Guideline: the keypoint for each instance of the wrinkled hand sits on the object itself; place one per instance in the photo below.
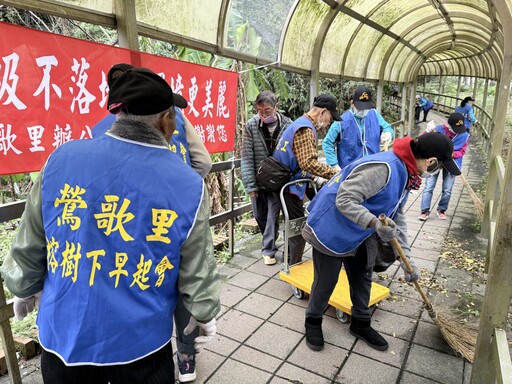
(337, 168)
(319, 181)
(386, 137)
(206, 331)
(23, 306)
(385, 232)
(411, 277)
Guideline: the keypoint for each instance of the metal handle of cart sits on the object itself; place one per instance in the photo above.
(294, 226)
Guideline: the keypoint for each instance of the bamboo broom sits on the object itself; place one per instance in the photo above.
(479, 206)
(460, 337)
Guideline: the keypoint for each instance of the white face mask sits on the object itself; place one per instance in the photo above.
(360, 113)
(319, 124)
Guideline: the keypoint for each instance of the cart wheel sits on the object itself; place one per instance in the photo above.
(298, 293)
(341, 316)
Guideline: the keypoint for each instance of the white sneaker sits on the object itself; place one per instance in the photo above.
(269, 260)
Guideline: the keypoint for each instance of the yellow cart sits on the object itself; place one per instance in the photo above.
(300, 276)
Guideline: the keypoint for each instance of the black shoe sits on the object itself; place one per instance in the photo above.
(362, 330)
(423, 121)
(314, 335)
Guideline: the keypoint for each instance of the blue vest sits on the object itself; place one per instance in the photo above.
(352, 145)
(458, 141)
(464, 111)
(334, 230)
(179, 143)
(115, 216)
(429, 104)
(284, 154)
(103, 125)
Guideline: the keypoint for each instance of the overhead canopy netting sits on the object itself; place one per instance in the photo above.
(393, 40)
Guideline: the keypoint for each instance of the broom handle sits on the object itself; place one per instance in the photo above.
(396, 245)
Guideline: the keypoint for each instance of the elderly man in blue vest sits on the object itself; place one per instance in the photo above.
(109, 240)
(187, 144)
(344, 230)
(466, 109)
(359, 133)
(297, 150)
(185, 141)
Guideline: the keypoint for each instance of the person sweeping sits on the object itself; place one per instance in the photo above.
(343, 227)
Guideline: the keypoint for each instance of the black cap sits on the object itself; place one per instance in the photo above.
(440, 146)
(363, 98)
(116, 71)
(140, 91)
(329, 102)
(456, 121)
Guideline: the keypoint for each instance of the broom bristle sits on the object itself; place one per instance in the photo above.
(479, 206)
(461, 337)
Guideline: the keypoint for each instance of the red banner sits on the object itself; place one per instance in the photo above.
(53, 89)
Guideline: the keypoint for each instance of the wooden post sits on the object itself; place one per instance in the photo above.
(403, 94)
(6, 312)
(498, 291)
(380, 92)
(412, 101)
(127, 24)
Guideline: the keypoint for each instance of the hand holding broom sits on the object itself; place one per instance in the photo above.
(459, 337)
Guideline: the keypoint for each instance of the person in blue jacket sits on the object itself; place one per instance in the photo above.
(359, 133)
(343, 226)
(422, 104)
(109, 242)
(466, 109)
(187, 144)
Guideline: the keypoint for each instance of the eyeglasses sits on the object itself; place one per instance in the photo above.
(266, 111)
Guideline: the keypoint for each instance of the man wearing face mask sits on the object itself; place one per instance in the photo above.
(456, 131)
(297, 150)
(466, 109)
(359, 134)
(259, 140)
(343, 227)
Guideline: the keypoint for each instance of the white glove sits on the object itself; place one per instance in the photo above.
(206, 332)
(431, 126)
(319, 181)
(337, 168)
(411, 277)
(23, 306)
(386, 137)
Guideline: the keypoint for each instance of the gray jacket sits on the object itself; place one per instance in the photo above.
(254, 149)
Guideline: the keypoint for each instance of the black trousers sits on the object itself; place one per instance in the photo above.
(359, 275)
(157, 368)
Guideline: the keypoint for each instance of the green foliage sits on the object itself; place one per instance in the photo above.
(7, 233)
(222, 256)
(26, 327)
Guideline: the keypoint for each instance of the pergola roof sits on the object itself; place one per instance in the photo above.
(390, 40)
